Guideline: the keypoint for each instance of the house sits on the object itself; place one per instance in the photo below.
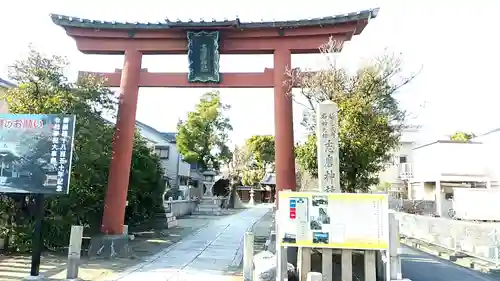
(442, 165)
(433, 170)
(177, 171)
(4, 86)
(399, 169)
(491, 150)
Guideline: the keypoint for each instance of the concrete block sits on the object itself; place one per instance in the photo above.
(33, 278)
(173, 224)
(265, 267)
(314, 276)
(109, 246)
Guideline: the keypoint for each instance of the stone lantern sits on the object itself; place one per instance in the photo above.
(208, 179)
(252, 194)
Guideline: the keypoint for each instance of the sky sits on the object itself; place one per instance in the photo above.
(454, 45)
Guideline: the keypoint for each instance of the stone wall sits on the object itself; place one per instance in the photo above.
(475, 239)
(420, 206)
(179, 208)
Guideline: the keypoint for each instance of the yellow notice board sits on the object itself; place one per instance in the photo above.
(333, 220)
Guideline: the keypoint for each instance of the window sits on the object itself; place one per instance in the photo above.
(183, 180)
(163, 151)
(402, 159)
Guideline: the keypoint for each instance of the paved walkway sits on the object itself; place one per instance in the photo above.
(208, 253)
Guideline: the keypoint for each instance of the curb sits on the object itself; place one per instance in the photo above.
(238, 259)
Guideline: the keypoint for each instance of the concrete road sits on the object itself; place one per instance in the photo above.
(419, 266)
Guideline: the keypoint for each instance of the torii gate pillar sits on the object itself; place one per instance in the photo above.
(283, 122)
(123, 141)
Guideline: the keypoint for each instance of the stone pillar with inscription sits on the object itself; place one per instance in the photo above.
(327, 138)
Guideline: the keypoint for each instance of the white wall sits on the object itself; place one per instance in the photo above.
(170, 165)
(154, 139)
(431, 161)
(391, 173)
(4, 107)
(491, 150)
(183, 166)
(411, 134)
(408, 138)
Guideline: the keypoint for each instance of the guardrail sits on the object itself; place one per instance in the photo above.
(480, 240)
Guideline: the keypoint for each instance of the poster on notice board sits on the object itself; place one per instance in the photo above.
(35, 153)
(334, 220)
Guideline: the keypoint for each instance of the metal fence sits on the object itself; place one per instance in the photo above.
(480, 240)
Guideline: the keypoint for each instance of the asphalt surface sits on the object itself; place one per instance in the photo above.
(420, 266)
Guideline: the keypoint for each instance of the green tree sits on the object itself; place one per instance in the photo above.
(204, 135)
(43, 89)
(252, 176)
(462, 136)
(262, 149)
(236, 167)
(260, 153)
(370, 119)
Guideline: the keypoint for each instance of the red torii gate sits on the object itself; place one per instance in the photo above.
(203, 42)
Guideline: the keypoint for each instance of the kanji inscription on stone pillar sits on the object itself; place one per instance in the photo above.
(327, 138)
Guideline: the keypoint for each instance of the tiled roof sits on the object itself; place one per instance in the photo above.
(269, 179)
(6, 84)
(255, 188)
(170, 136)
(67, 21)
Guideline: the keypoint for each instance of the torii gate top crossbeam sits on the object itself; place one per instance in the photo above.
(168, 37)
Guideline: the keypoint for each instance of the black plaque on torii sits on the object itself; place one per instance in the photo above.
(203, 56)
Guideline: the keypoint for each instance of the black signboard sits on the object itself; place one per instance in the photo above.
(35, 153)
(203, 55)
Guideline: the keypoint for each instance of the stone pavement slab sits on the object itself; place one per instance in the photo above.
(147, 244)
(207, 254)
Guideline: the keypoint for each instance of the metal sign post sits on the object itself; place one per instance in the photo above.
(36, 255)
